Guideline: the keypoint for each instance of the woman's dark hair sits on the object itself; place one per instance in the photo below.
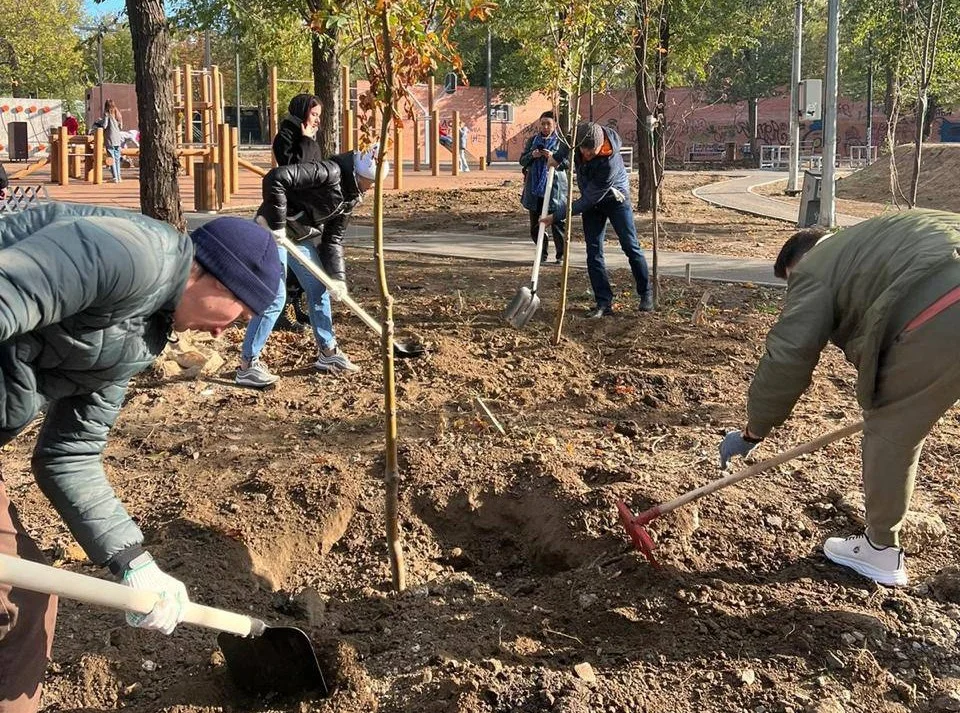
(798, 245)
(548, 115)
(301, 105)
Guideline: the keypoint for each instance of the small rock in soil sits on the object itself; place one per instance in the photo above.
(587, 600)
(585, 672)
(775, 521)
(148, 665)
(748, 676)
(828, 705)
(949, 701)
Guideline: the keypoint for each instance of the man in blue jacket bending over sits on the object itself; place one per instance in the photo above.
(605, 195)
(88, 298)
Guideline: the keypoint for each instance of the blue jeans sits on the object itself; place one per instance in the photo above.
(620, 216)
(114, 152)
(321, 318)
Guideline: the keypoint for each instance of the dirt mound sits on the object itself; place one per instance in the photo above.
(939, 168)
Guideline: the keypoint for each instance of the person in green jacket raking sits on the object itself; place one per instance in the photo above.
(89, 297)
(886, 292)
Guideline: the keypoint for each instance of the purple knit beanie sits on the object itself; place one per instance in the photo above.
(241, 255)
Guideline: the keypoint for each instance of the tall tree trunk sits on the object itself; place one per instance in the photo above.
(326, 85)
(889, 91)
(160, 195)
(646, 177)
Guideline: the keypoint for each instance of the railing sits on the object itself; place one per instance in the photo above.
(19, 198)
(862, 156)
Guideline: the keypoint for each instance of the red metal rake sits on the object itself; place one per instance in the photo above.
(635, 525)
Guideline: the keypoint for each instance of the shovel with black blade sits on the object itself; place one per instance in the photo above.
(261, 659)
(526, 302)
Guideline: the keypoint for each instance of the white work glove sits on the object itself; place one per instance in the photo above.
(337, 290)
(143, 573)
(278, 233)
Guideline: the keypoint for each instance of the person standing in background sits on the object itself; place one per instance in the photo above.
(73, 126)
(539, 150)
(112, 138)
(464, 138)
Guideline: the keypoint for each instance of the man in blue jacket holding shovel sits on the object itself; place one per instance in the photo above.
(88, 298)
(605, 196)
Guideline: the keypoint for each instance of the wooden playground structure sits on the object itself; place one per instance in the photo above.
(208, 148)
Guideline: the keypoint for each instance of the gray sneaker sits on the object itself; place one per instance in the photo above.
(255, 373)
(334, 361)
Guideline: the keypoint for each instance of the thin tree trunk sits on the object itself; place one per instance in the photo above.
(391, 467)
(160, 195)
(921, 112)
(645, 159)
(753, 121)
(326, 85)
(573, 116)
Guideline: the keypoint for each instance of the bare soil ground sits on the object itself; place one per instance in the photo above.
(271, 503)
(687, 223)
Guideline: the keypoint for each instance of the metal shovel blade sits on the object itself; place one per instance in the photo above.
(281, 660)
(522, 308)
(408, 350)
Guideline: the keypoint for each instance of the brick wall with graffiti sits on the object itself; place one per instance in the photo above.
(692, 122)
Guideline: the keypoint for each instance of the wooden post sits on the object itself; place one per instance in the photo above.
(178, 110)
(188, 113)
(205, 107)
(216, 80)
(235, 159)
(416, 143)
(210, 185)
(61, 166)
(98, 157)
(433, 130)
(397, 156)
(455, 134)
(55, 149)
(224, 173)
(435, 143)
(76, 162)
(483, 163)
(355, 131)
(274, 119)
(346, 117)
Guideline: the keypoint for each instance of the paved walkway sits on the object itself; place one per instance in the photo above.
(506, 249)
(737, 194)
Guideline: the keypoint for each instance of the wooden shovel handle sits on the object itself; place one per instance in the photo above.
(37, 577)
(756, 468)
(318, 273)
(542, 230)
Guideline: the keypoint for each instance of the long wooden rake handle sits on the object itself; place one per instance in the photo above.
(756, 468)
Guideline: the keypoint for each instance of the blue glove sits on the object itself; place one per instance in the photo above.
(734, 444)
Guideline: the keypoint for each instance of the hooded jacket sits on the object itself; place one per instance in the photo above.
(857, 289)
(291, 146)
(319, 195)
(87, 297)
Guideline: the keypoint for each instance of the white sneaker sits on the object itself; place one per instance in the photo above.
(884, 565)
(334, 361)
(255, 373)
